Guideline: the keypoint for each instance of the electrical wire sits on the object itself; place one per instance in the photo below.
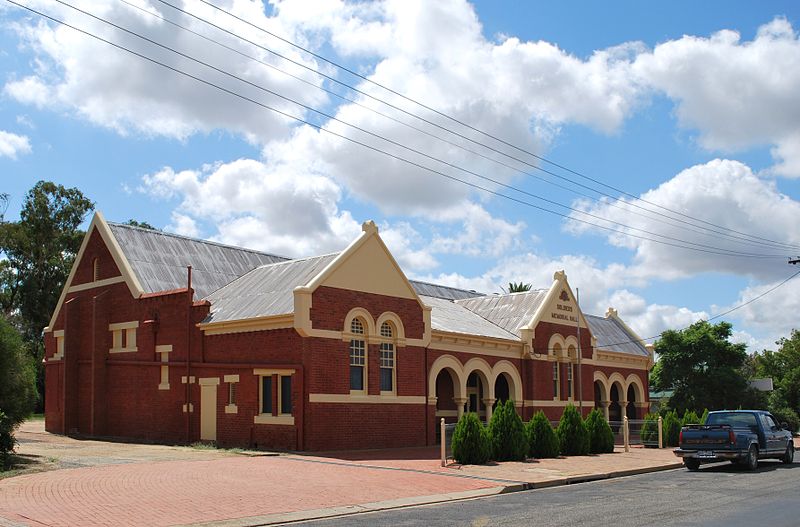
(452, 119)
(717, 250)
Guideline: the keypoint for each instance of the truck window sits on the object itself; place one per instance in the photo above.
(769, 423)
(734, 419)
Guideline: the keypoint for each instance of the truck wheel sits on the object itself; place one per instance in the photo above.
(788, 457)
(752, 458)
(691, 463)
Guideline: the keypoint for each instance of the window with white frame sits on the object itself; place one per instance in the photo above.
(387, 358)
(59, 336)
(232, 381)
(123, 337)
(569, 380)
(555, 381)
(358, 357)
(275, 396)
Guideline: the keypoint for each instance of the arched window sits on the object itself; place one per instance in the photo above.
(358, 356)
(387, 358)
(96, 269)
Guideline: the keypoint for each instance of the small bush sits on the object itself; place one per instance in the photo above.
(672, 428)
(650, 430)
(507, 434)
(7, 440)
(601, 438)
(542, 439)
(573, 438)
(690, 418)
(704, 417)
(470, 443)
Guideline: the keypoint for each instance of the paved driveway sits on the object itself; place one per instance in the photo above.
(130, 484)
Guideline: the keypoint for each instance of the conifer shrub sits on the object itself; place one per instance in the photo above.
(672, 428)
(601, 438)
(690, 418)
(542, 439)
(507, 434)
(7, 440)
(650, 431)
(704, 417)
(573, 438)
(471, 445)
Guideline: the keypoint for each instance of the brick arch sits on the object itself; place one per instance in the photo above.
(556, 338)
(504, 367)
(479, 365)
(394, 319)
(448, 362)
(366, 316)
(636, 382)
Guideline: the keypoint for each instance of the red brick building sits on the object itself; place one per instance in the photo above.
(338, 351)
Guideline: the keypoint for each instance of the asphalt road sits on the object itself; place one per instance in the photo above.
(718, 494)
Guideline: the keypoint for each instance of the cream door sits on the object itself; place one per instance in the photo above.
(208, 408)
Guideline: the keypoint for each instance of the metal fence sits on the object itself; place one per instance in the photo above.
(446, 431)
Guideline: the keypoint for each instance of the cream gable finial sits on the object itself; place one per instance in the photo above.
(611, 312)
(369, 227)
(560, 275)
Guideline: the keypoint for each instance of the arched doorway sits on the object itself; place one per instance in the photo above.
(445, 395)
(502, 391)
(599, 394)
(630, 411)
(614, 408)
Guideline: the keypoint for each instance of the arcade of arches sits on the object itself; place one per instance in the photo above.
(619, 396)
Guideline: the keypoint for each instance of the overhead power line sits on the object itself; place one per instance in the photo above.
(451, 118)
(703, 247)
(615, 203)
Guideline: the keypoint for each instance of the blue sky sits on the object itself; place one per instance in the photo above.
(692, 104)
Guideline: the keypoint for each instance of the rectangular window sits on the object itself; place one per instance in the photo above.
(266, 394)
(286, 395)
(387, 367)
(231, 393)
(569, 380)
(59, 335)
(357, 361)
(555, 381)
(123, 337)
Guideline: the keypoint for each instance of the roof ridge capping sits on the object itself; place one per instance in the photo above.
(198, 240)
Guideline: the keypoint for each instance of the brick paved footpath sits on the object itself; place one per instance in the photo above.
(181, 492)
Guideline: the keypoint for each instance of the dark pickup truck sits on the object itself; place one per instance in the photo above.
(741, 436)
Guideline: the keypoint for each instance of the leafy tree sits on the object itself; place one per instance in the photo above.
(542, 439)
(601, 438)
(39, 251)
(141, 224)
(17, 386)
(507, 434)
(518, 287)
(783, 366)
(471, 444)
(702, 367)
(573, 438)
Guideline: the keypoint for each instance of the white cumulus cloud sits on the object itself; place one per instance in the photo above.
(13, 145)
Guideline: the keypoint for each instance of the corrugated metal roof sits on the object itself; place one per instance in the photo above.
(612, 336)
(159, 260)
(454, 318)
(265, 291)
(442, 291)
(509, 311)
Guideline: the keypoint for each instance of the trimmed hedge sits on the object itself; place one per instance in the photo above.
(601, 438)
(672, 428)
(650, 431)
(542, 439)
(573, 438)
(471, 445)
(507, 434)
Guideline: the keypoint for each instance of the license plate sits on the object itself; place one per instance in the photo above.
(705, 453)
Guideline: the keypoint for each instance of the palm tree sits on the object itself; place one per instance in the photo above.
(518, 288)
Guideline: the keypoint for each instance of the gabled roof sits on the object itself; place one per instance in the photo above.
(510, 311)
(265, 291)
(159, 260)
(454, 318)
(442, 291)
(612, 335)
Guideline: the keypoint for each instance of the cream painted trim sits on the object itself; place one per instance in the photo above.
(231, 378)
(264, 372)
(269, 419)
(164, 348)
(365, 399)
(191, 379)
(399, 338)
(231, 409)
(99, 223)
(58, 333)
(123, 350)
(191, 408)
(123, 325)
(249, 324)
(446, 413)
(59, 336)
(208, 381)
(559, 280)
(97, 283)
(163, 386)
(458, 342)
(550, 404)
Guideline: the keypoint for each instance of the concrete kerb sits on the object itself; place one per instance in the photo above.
(415, 501)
